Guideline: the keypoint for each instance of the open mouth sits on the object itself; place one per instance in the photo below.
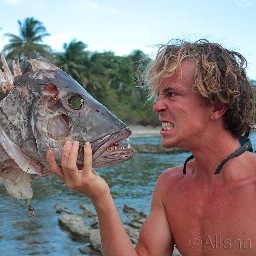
(167, 126)
(111, 149)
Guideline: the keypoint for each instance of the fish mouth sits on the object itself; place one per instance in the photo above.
(111, 149)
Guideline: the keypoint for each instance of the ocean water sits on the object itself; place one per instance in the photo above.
(131, 183)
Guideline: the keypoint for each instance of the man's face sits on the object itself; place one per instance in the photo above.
(183, 113)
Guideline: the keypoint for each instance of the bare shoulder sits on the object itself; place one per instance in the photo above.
(249, 163)
(248, 168)
(252, 157)
(169, 179)
(172, 174)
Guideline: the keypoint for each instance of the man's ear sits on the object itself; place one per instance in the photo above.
(218, 111)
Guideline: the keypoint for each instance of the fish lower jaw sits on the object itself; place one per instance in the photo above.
(113, 154)
(167, 126)
(112, 157)
(112, 149)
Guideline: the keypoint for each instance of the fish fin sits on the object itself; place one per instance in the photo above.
(16, 68)
(17, 183)
(39, 64)
(25, 163)
(6, 77)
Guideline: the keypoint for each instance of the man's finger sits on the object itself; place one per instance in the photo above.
(65, 159)
(72, 160)
(65, 153)
(87, 157)
(54, 167)
(72, 163)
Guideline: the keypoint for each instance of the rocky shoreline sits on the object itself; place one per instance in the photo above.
(84, 227)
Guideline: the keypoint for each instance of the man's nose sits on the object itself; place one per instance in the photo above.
(159, 106)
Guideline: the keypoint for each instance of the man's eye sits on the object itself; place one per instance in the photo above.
(167, 95)
(171, 94)
(76, 102)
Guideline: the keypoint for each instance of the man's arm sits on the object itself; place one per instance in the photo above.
(155, 237)
(114, 238)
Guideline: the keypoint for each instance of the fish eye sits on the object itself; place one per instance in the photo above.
(76, 102)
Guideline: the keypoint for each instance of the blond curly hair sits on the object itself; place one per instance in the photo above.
(219, 78)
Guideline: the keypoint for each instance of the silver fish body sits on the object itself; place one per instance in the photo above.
(45, 108)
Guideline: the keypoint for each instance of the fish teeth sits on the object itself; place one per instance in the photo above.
(116, 148)
(120, 147)
(128, 144)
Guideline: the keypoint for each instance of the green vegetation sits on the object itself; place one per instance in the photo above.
(27, 44)
(115, 81)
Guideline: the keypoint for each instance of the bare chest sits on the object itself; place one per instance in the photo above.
(217, 222)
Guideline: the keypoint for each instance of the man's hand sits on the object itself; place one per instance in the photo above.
(86, 181)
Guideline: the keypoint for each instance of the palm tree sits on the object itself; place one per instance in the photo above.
(71, 60)
(27, 45)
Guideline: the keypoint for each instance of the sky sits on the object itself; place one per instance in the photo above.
(122, 26)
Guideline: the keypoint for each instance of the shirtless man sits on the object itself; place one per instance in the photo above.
(205, 104)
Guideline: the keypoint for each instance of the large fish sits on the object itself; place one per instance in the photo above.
(44, 108)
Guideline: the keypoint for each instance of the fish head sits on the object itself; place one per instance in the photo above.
(61, 109)
(44, 108)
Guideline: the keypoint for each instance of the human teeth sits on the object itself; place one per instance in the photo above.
(167, 126)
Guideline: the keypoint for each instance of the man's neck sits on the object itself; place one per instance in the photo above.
(209, 156)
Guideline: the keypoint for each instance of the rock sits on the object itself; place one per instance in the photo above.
(75, 224)
(87, 212)
(128, 209)
(132, 213)
(88, 250)
(85, 227)
(132, 233)
(95, 223)
(95, 239)
(61, 209)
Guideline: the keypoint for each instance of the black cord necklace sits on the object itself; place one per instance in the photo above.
(237, 153)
